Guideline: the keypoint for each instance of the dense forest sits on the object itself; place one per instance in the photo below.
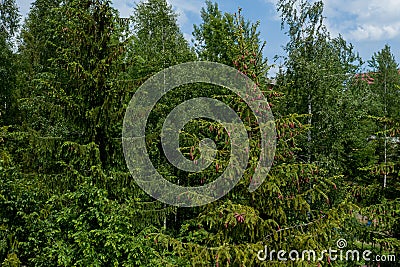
(67, 198)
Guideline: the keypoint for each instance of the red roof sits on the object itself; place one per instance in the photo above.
(367, 77)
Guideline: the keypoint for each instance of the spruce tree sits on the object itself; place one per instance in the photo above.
(317, 70)
(377, 190)
(66, 195)
(284, 213)
(158, 43)
(9, 24)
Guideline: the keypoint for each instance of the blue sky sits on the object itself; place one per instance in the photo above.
(367, 24)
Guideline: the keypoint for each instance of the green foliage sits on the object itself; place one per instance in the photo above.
(157, 41)
(214, 38)
(318, 69)
(67, 198)
(9, 22)
(9, 18)
(378, 191)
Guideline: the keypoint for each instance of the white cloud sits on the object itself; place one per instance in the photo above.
(188, 37)
(24, 6)
(361, 20)
(193, 6)
(125, 7)
(375, 32)
(274, 2)
(184, 7)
